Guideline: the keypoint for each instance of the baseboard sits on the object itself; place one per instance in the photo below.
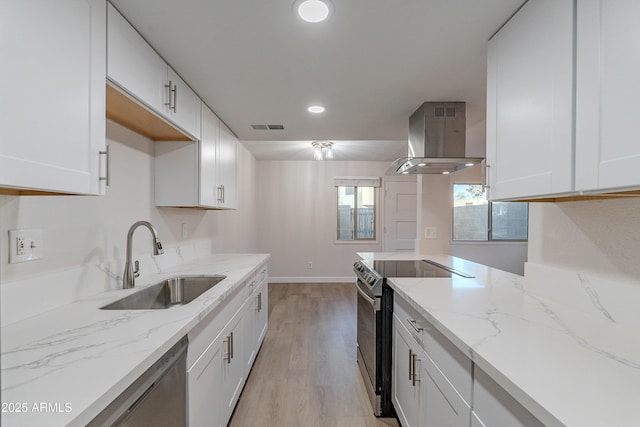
(349, 279)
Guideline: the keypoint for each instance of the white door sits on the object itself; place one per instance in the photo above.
(400, 215)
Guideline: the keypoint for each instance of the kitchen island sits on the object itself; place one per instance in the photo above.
(562, 344)
(65, 365)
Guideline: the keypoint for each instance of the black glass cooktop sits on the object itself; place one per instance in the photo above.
(419, 268)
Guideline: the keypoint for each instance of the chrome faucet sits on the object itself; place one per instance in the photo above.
(130, 274)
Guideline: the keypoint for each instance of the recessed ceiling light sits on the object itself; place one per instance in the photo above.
(313, 10)
(469, 164)
(422, 164)
(316, 109)
(445, 173)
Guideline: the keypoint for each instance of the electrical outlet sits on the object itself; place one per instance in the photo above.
(309, 264)
(184, 230)
(25, 245)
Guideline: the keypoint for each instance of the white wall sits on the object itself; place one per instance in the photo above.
(297, 218)
(89, 229)
(434, 201)
(599, 237)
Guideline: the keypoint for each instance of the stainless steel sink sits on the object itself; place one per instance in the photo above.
(174, 291)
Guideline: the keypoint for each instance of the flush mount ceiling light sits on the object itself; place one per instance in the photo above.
(313, 11)
(322, 150)
(316, 109)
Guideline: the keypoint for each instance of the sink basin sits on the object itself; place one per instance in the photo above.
(174, 291)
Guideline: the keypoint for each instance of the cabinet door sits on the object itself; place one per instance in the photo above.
(405, 389)
(530, 102)
(204, 385)
(185, 105)
(52, 106)
(262, 308)
(133, 65)
(249, 336)
(493, 406)
(233, 366)
(227, 168)
(208, 155)
(442, 406)
(607, 90)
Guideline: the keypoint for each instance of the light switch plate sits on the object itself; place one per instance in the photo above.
(25, 245)
(430, 233)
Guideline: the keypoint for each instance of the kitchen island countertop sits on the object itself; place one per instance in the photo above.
(562, 346)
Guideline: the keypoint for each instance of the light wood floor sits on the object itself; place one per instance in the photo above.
(306, 373)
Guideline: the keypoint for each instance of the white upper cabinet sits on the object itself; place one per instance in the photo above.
(608, 89)
(136, 69)
(52, 106)
(198, 174)
(183, 105)
(562, 85)
(530, 102)
(227, 169)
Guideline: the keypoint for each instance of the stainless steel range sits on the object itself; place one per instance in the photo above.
(375, 317)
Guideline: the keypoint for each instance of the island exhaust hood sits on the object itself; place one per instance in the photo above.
(436, 141)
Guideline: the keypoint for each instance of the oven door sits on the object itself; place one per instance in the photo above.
(368, 335)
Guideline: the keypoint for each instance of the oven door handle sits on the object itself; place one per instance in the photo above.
(375, 302)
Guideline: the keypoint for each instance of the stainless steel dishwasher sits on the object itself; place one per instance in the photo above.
(156, 398)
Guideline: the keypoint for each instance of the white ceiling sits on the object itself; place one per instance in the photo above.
(371, 65)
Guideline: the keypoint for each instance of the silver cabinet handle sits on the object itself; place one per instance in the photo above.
(169, 93)
(175, 98)
(220, 196)
(415, 326)
(107, 177)
(259, 302)
(485, 175)
(410, 365)
(415, 375)
(222, 192)
(229, 342)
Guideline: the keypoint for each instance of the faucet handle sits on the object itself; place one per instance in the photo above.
(136, 269)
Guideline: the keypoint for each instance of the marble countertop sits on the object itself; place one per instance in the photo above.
(65, 365)
(565, 347)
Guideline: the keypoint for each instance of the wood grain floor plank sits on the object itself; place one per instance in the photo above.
(306, 373)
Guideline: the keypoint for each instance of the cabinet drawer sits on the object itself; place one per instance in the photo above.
(205, 332)
(257, 279)
(453, 363)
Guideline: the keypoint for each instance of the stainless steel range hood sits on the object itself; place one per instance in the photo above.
(436, 141)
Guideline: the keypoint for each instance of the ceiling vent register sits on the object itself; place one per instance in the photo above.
(267, 127)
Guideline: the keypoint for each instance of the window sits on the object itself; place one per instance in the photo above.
(356, 213)
(474, 218)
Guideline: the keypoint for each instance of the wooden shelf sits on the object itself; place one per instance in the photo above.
(130, 114)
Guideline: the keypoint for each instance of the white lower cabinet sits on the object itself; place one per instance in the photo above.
(261, 309)
(232, 363)
(222, 349)
(204, 387)
(434, 384)
(422, 393)
(406, 391)
(493, 406)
